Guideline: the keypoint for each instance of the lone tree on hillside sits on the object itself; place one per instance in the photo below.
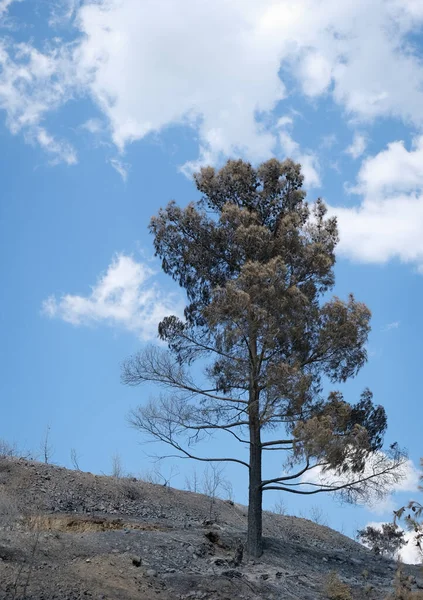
(255, 261)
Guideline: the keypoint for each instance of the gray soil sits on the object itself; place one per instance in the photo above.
(69, 535)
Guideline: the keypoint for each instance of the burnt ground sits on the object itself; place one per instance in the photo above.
(69, 535)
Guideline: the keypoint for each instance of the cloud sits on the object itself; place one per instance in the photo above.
(410, 554)
(328, 141)
(358, 146)
(93, 126)
(120, 167)
(4, 5)
(309, 162)
(388, 222)
(220, 68)
(126, 297)
(32, 84)
(60, 150)
(391, 326)
(353, 52)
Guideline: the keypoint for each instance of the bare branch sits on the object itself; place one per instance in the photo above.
(154, 365)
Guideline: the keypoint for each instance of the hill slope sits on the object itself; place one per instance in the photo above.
(70, 535)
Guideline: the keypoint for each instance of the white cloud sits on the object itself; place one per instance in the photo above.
(62, 11)
(33, 83)
(358, 146)
(126, 296)
(351, 50)
(154, 65)
(284, 121)
(328, 141)
(93, 126)
(217, 67)
(391, 326)
(410, 554)
(308, 159)
(4, 5)
(60, 150)
(388, 222)
(120, 167)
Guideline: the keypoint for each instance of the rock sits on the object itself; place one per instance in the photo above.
(218, 562)
(136, 561)
(151, 573)
(232, 574)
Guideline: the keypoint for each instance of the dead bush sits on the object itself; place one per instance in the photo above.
(335, 589)
(403, 587)
(130, 488)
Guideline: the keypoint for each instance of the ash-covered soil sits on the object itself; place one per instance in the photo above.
(68, 535)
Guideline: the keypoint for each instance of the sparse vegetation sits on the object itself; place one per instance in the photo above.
(336, 589)
(117, 468)
(318, 516)
(46, 448)
(74, 459)
(8, 510)
(279, 507)
(117, 529)
(403, 587)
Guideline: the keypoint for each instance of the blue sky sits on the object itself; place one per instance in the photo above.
(107, 107)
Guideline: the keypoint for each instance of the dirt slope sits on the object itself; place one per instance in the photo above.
(71, 535)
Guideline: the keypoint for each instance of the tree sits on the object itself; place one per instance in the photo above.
(387, 540)
(256, 262)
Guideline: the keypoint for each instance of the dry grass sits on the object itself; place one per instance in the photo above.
(8, 510)
(335, 589)
(82, 524)
(403, 588)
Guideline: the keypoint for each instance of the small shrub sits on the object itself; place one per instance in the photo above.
(8, 450)
(335, 589)
(279, 507)
(130, 488)
(403, 588)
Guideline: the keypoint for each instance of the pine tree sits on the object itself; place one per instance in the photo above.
(256, 262)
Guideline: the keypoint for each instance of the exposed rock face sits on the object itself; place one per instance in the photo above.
(69, 535)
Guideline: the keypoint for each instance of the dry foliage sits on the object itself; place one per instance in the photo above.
(403, 588)
(335, 589)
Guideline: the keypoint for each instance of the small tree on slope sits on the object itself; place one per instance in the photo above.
(386, 540)
(255, 261)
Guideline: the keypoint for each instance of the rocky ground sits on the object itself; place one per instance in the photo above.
(69, 535)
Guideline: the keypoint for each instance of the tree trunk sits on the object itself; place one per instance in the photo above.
(254, 534)
(255, 493)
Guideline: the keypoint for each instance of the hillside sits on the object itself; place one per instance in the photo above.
(69, 535)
